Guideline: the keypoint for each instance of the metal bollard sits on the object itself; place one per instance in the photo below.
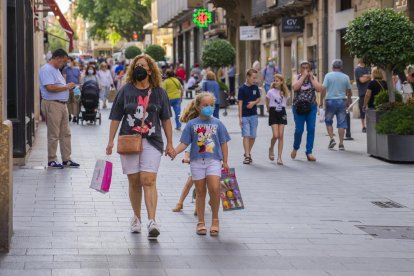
(348, 119)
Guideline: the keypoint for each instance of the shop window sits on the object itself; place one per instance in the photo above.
(342, 5)
(309, 30)
(268, 34)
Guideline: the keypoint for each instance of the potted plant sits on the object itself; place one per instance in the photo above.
(132, 51)
(382, 37)
(396, 133)
(156, 52)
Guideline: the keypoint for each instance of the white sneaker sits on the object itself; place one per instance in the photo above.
(135, 225)
(153, 230)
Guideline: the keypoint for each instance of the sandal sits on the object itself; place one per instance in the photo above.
(178, 207)
(279, 162)
(214, 230)
(271, 154)
(247, 160)
(201, 228)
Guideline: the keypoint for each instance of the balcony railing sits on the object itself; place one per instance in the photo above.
(169, 10)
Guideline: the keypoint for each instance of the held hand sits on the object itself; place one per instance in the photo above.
(250, 105)
(169, 150)
(226, 168)
(109, 148)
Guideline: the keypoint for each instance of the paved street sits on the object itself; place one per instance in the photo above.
(300, 219)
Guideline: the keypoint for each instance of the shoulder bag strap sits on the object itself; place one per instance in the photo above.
(145, 109)
(176, 85)
(380, 84)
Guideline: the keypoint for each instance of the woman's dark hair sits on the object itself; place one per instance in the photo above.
(170, 73)
(87, 69)
(59, 53)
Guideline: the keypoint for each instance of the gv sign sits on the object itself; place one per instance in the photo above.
(292, 24)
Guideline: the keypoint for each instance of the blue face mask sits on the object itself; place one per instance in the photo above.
(207, 111)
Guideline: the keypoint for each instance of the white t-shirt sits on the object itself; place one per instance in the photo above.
(105, 78)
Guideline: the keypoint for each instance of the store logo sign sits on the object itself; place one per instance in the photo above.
(292, 24)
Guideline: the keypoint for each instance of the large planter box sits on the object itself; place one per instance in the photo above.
(396, 148)
(372, 118)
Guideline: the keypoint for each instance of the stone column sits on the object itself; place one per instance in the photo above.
(6, 144)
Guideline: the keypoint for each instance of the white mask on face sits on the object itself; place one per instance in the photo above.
(90, 72)
(69, 65)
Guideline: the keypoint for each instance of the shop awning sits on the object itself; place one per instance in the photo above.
(53, 7)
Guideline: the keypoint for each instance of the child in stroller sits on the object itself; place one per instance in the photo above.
(90, 102)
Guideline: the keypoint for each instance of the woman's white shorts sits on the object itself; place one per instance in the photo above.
(146, 161)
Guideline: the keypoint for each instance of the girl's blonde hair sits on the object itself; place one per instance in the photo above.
(191, 110)
(155, 78)
(283, 89)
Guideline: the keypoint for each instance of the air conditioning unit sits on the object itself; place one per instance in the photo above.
(271, 3)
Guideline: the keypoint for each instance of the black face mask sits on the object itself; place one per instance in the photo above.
(140, 73)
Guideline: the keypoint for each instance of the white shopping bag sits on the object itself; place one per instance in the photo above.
(321, 115)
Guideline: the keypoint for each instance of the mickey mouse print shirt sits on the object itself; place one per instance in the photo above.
(276, 99)
(205, 138)
(128, 107)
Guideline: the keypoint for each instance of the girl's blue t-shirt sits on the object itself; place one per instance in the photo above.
(205, 137)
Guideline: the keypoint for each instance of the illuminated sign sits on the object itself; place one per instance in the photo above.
(202, 18)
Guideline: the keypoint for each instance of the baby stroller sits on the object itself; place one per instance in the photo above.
(90, 102)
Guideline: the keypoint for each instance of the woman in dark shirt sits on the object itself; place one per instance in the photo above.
(374, 87)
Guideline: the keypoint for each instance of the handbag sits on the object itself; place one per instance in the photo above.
(112, 95)
(102, 176)
(230, 195)
(132, 144)
(303, 107)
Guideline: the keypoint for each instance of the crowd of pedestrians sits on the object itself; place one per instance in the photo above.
(148, 95)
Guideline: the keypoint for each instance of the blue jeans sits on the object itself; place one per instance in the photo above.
(300, 120)
(267, 87)
(216, 111)
(176, 105)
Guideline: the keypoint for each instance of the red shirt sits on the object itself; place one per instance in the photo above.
(181, 73)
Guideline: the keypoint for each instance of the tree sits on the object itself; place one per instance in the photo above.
(121, 16)
(156, 52)
(132, 51)
(56, 39)
(384, 38)
(218, 53)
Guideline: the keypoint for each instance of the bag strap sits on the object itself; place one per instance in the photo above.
(176, 85)
(380, 84)
(145, 109)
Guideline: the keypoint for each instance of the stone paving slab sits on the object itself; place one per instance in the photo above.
(300, 219)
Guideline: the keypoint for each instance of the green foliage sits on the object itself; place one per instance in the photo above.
(217, 53)
(156, 52)
(223, 86)
(398, 121)
(382, 37)
(55, 39)
(121, 16)
(132, 51)
(383, 98)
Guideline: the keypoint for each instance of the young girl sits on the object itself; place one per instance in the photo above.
(188, 184)
(276, 100)
(209, 152)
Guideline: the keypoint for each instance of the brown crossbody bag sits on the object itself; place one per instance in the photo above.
(132, 144)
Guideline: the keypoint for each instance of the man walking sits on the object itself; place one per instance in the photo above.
(249, 97)
(55, 94)
(337, 88)
(268, 74)
(362, 77)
